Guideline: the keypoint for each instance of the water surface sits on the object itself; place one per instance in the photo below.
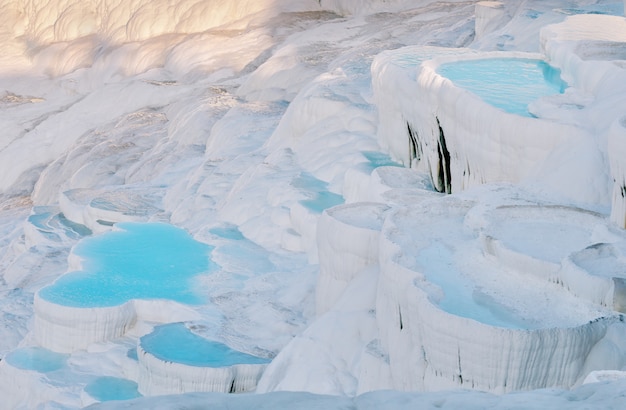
(174, 342)
(507, 83)
(37, 359)
(112, 388)
(136, 261)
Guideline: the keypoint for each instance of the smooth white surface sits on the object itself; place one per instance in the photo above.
(207, 115)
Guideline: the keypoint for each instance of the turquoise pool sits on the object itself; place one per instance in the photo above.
(320, 198)
(510, 84)
(136, 261)
(379, 159)
(37, 359)
(460, 296)
(174, 342)
(108, 388)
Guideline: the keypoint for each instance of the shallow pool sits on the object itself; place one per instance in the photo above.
(49, 222)
(37, 359)
(136, 261)
(558, 238)
(320, 198)
(379, 159)
(174, 342)
(460, 295)
(507, 83)
(112, 388)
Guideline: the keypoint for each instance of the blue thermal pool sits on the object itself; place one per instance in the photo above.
(37, 359)
(136, 261)
(48, 221)
(507, 83)
(461, 297)
(174, 342)
(320, 198)
(379, 159)
(112, 388)
(228, 232)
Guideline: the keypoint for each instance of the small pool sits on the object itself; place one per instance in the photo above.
(460, 295)
(135, 261)
(37, 359)
(558, 238)
(174, 342)
(320, 198)
(228, 232)
(379, 159)
(112, 388)
(49, 222)
(507, 83)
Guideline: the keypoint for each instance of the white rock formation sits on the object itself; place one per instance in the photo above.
(490, 15)
(458, 138)
(373, 186)
(100, 210)
(159, 377)
(339, 352)
(422, 343)
(434, 347)
(617, 161)
(600, 376)
(17, 391)
(596, 273)
(590, 50)
(461, 299)
(511, 232)
(347, 243)
(66, 329)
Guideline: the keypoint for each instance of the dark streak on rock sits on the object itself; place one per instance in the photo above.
(443, 178)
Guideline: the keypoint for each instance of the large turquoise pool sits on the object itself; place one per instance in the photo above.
(135, 261)
(174, 342)
(510, 84)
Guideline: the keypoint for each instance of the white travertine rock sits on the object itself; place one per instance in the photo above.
(18, 387)
(490, 15)
(338, 352)
(347, 243)
(304, 222)
(99, 210)
(431, 348)
(511, 234)
(362, 186)
(599, 376)
(159, 377)
(356, 184)
(385, 179)
(596, 273)
(590, 50)
(485, 144)
(617, 161)
(66, 329)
